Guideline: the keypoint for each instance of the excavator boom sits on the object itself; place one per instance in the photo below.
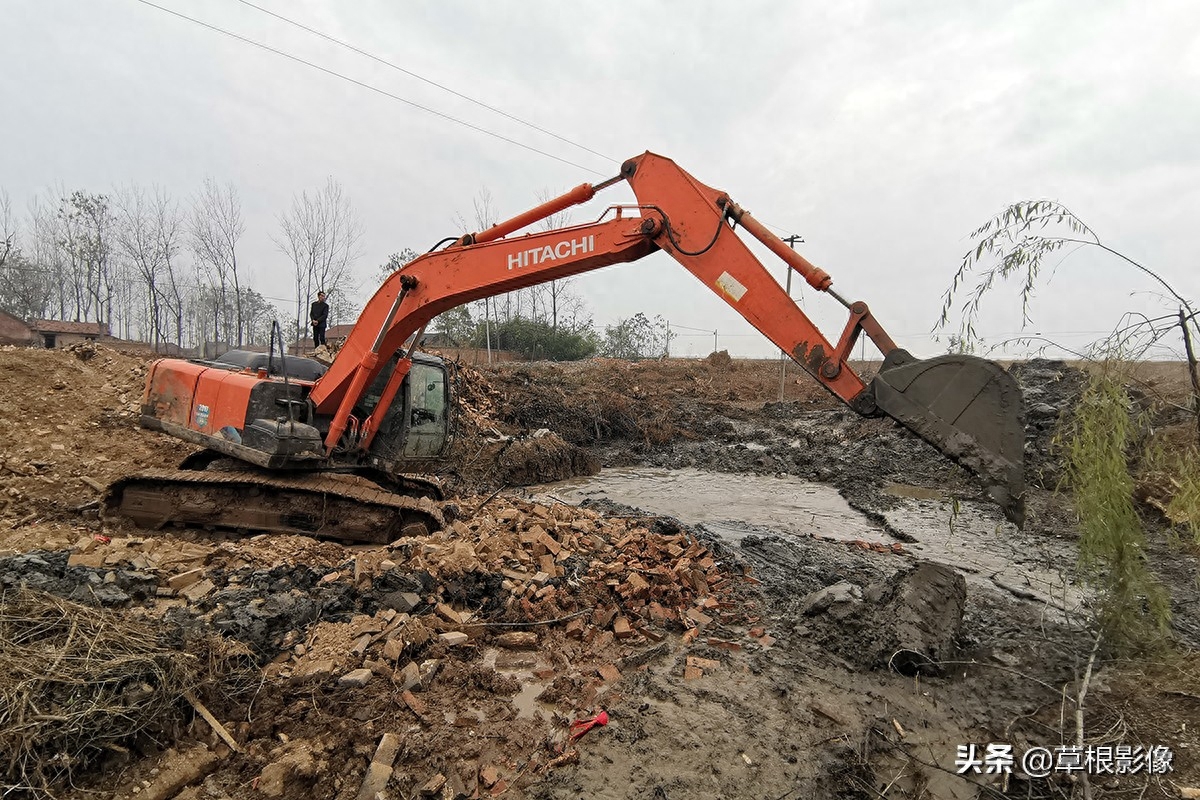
(967, 407)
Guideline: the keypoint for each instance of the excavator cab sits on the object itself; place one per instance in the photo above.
(417, 424)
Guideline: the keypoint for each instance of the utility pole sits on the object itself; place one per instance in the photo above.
(667, 346)
(791, 240)
(714, 341)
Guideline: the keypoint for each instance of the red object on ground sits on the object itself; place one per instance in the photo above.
(581, 726)
(102, 539)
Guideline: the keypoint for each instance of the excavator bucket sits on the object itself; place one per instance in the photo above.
(967, 407)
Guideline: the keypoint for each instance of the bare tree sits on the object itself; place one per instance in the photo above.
(175, 286)
(214, 228)
(24, 289)
(48, 258)
(559, 289)
(148, 236)
(86, 235)
(8, 227)
(321, 236)
(484, 217)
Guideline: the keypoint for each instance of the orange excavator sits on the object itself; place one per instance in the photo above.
(290, 446)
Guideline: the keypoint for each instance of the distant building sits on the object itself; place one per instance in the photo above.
(14, 330)
(337, 332)
(56, 333)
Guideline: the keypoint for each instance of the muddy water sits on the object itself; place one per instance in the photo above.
(521, 666)
(971, 537)
(725, 503)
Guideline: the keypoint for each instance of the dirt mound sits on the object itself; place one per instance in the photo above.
(515, 614)
(491, 452)
(68, 428)
(720, 359)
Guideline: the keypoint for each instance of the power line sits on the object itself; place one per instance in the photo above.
(429, 81)
(364, 85)
(412, 103)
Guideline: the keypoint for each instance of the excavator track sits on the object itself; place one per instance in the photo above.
(309, 504)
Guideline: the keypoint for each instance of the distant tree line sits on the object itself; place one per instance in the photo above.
(158, 270)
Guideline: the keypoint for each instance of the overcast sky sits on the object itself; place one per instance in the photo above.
(883, 133)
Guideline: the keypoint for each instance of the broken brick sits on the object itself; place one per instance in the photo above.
(609, 673)
(414, 703)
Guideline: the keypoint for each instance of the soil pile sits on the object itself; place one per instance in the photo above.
(67, 429)
(1051, 390)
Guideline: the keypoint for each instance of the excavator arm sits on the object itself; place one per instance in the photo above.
(967, 407)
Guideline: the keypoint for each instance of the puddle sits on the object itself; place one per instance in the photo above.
(987, 549)
(914, 492)
(724, 502)
(520, 666)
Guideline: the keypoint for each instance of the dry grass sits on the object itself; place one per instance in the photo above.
(78, 682)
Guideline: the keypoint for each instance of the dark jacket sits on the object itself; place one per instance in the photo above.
(319, 312)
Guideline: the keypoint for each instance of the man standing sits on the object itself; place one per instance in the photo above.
(319, 314)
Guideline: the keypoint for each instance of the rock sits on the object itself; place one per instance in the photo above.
(410, 676)
(433, 785)
(356, 679)
(401, 601)
(454, 638)
(379, 771)
(840, 593)
(185, 579)
(393, 648)
(198, 591)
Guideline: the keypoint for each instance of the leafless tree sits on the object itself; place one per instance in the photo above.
(321, 236)
(8, 227)
(484, 217)
(149, 238)
(47, 256)
(24, 289)
(86, 235)
(558, 290)
(214, 229)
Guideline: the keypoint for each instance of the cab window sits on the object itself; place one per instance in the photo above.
(427, 386)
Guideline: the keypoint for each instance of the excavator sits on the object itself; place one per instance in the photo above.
(345, 451)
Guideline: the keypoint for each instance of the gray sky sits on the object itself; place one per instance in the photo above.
(881, 132)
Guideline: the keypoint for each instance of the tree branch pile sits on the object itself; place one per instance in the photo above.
(77, 683)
